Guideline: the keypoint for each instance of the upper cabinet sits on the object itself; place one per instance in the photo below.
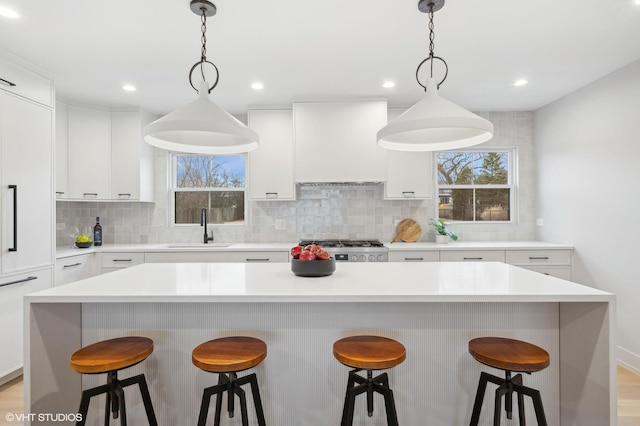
(409, 174)
(25, 83)
(103, 156)
(336, 141)
(271, 166)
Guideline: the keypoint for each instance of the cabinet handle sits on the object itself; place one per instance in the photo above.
(414, 259)
(7, 82)
(122, 260)
(271, 194)
(539, 258)
(15, 217)
(471, 258)
(258, 260)
(59, 192)
(71, 266)
(127, 194)
(18, 281)
(408, 194)
(92, 194)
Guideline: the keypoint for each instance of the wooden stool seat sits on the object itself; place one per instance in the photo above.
(229, 354)
(111, 355)
(369, 352)
(509, 354)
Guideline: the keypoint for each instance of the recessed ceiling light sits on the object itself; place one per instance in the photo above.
(129, 88)
(388, 84)
(521, 82)
(637, 2)
(9, 13)
(257, 86)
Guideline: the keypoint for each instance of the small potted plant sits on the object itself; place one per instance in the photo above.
(442, 232)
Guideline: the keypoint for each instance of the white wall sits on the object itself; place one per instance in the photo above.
(588, 156)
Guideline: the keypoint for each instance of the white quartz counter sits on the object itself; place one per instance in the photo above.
(479, 245)
(366, 282)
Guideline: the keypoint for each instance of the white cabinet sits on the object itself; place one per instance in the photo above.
(336, 141)
(132, 167)
(26, 182)
(113, 261)
(25, 83)
(258, 256)
(271, 166)
(414, 256)
(74, 268)
(62, 150)
(409, 174)
(554, 262)
(89, 155)
(12, 290)
(186, 257)
(472, 256)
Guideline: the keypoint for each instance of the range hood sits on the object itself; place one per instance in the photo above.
(335, 142)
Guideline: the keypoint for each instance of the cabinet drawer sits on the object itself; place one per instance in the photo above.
(259, 256)
(186, 257)
(26, 83)
(121, 260)
(472, 256)
(414, 256)
(563, 272)
(539, 257)
(74, 268)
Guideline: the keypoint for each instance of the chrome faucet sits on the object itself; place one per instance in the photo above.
(203, 222)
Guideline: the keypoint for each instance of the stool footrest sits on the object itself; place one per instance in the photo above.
(232, 385)
(370, 384)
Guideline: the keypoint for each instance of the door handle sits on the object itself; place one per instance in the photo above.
(7, 82)
(15, 217)
(19, 281)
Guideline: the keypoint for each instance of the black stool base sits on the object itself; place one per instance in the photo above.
(506, 388)
(379, 384)
(231, 384)
(115, 399)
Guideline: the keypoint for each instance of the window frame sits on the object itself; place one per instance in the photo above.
(511, 185)
(172, 168)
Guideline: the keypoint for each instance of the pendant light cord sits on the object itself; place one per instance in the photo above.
(203, 55)
(431, 58)
(432, 36)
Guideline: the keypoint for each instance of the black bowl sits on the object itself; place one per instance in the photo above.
(313, 268)
(84, 245)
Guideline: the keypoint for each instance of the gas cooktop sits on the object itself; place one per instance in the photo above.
(343, 243)
(353, 250)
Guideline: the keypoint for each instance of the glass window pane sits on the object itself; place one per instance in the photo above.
(455, 168)
(206, 171)
(492, 204)
(456, 204)
(491, 168)
(222, 207)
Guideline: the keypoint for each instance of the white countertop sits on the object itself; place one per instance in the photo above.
(351, 282)
(478, 245)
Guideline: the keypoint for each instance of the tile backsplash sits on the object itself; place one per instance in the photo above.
(319, 211)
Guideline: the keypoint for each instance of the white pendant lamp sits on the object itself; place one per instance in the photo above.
(434, 123)
(201, 127)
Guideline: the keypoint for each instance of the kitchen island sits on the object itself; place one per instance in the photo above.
(434, 309)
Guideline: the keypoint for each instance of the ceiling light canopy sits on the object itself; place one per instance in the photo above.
(201, 127)
(434, 123)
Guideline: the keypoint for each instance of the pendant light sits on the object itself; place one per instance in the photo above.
(201, 127)
(434, 123)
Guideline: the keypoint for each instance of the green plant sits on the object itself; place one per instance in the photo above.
(441, 228)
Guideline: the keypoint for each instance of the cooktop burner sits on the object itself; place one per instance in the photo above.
(343, 243)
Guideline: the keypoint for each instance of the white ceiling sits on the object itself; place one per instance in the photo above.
(301, 49)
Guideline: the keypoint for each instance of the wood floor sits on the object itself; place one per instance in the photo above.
(628, 399)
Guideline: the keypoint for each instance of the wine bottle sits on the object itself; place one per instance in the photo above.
(97, 233)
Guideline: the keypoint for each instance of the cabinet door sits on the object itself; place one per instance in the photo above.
(62, 150)
(259, 256)
(271, 166)
(74, 268)
(186, 257)
(26, 174)
(125, 155)
(414, 256)
(89, 153)
(472, 256)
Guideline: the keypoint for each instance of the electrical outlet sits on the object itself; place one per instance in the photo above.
(61, 226)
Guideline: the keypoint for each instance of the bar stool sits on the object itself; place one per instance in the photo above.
(509, 355)
(369, 353)
(230, 355)
(110, 356)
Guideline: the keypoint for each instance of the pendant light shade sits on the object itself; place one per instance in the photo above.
(434, 124)
(201, 127)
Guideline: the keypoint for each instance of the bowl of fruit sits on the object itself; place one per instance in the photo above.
(83, 241)
(311, 261)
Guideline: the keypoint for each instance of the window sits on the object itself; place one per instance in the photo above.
(476, 186)
(216, 183)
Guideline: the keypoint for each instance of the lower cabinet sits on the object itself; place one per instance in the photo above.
(113, 261)
(472, 256)
(74, 268)
(12, 290)
(556, 263)
(258, 256)
(186, 257)
(414, 256)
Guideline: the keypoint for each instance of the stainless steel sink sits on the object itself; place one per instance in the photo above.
(198, 245)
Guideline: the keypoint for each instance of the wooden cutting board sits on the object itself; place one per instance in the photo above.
(408, 230)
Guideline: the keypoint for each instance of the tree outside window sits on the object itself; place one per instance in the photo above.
(475, 186)
(216, 183)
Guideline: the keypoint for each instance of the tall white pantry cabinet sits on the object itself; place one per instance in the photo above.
(26, 201)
